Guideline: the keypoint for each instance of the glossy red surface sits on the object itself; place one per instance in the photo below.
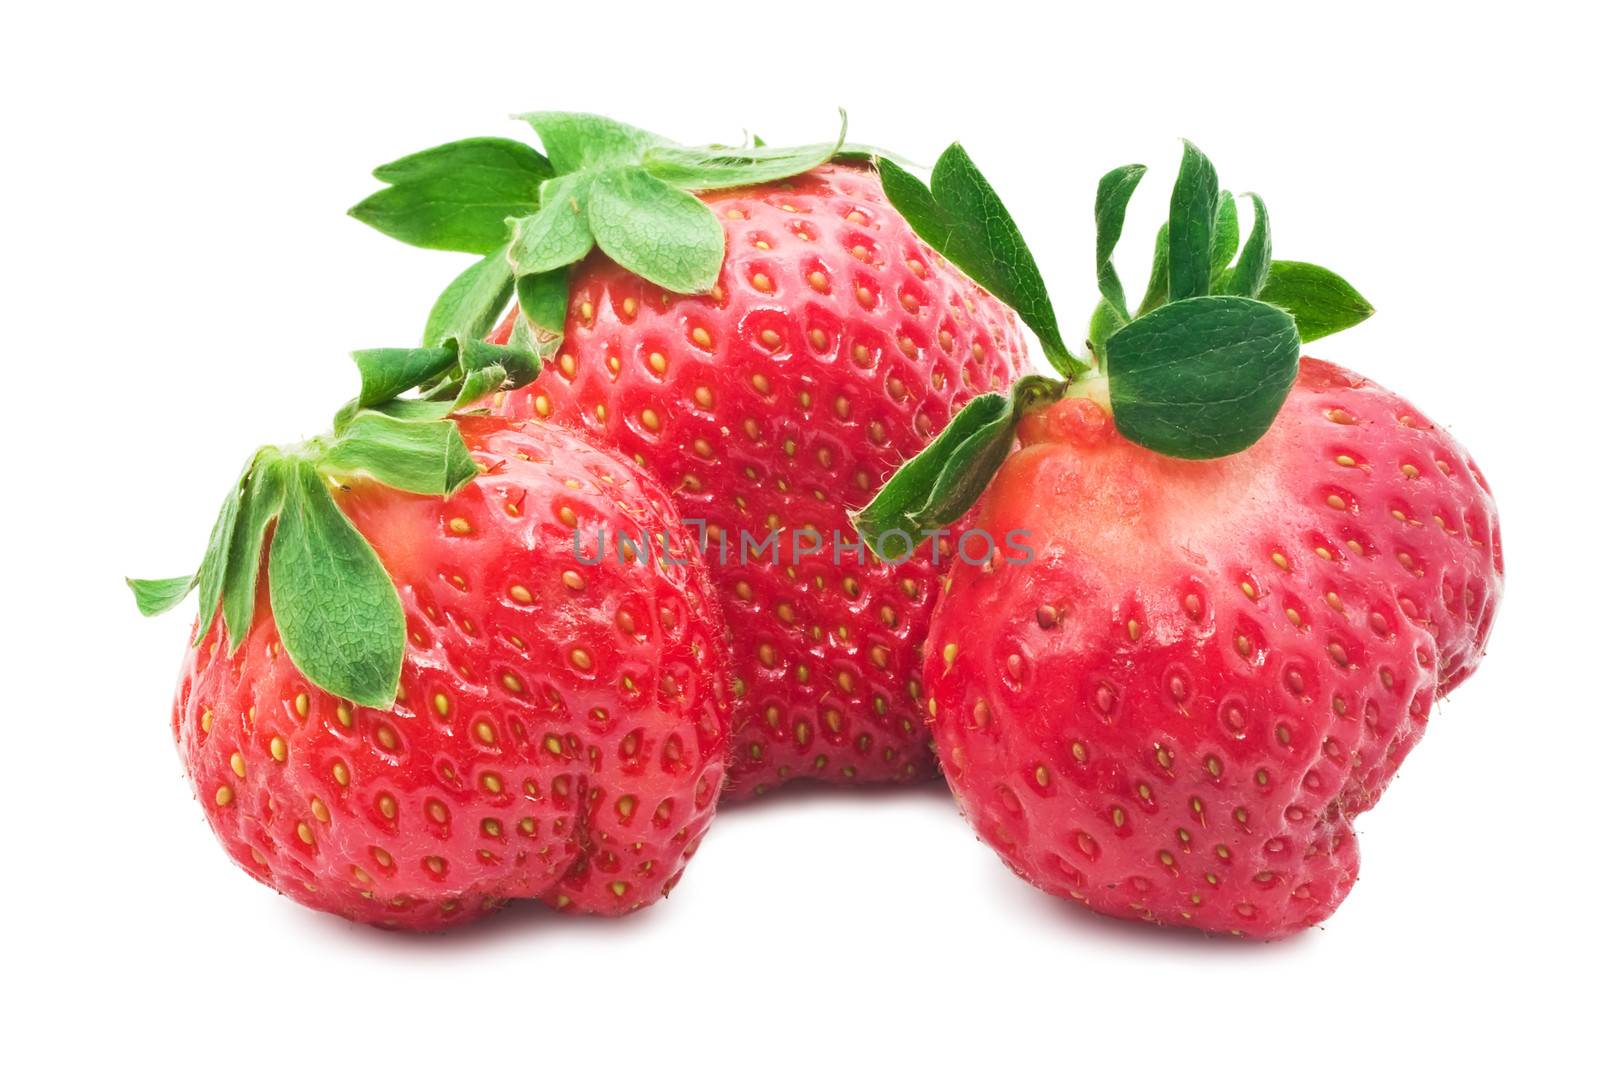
(561, 727)
(835, 345)
(1174, 711)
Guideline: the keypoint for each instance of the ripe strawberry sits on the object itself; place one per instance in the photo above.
(1174, 711)
(833, 344)
(558, 728)
(814, 345)
(1207, 652)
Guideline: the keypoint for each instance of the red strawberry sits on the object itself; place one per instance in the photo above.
(1173, 712)
(559, 730)
(833, 344)
(1211, 636)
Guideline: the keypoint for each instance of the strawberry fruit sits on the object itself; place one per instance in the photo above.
(770, 351)
(1243, 580)
(445, 688)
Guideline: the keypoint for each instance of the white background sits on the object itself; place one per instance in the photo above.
(180, 284)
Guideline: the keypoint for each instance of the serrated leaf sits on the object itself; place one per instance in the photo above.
(336, 609)
(1224, 237)
(575, 142)
(1202, 377)
(259, 506)
(1320, 301)
(1191, 222)
(1255, 259)
(472, 304)
(1110, 210)
(654, 230)
(962, 218)
(558, 234)
(458, 196)
(426, 457)
(158, 596)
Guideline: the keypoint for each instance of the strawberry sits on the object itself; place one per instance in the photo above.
(1208, 647)
(823, 343)
(1238, 652)
(544, 719)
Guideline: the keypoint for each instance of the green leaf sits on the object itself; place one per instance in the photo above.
(1320, 301)
(260, 503)
(1110, 209)
(477, 385)
(655, 231)
(1202, 377)
(1190, 224)
(583, 141)
(1224, 237)
(517, 366)
(335, 606)
(524, 337)
(487, 367)
(902, 503)
(1155, 292)
(215, 561)
(389, 372)
(938, 485)
(867, 153)
(158, 596)
(556, 235)
(705, 168)
(415, 456)
(700, 169)
(471, 305)
(963, 219)
(967, 471)
(443, 371)
(458, 196)
(1104, 321)
(542, 300)
(1255, 261)
(415, 410)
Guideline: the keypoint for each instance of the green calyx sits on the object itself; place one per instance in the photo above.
(937, 486)
(531, 216)
(1198, 371)
(960, 215)
(336, 609)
